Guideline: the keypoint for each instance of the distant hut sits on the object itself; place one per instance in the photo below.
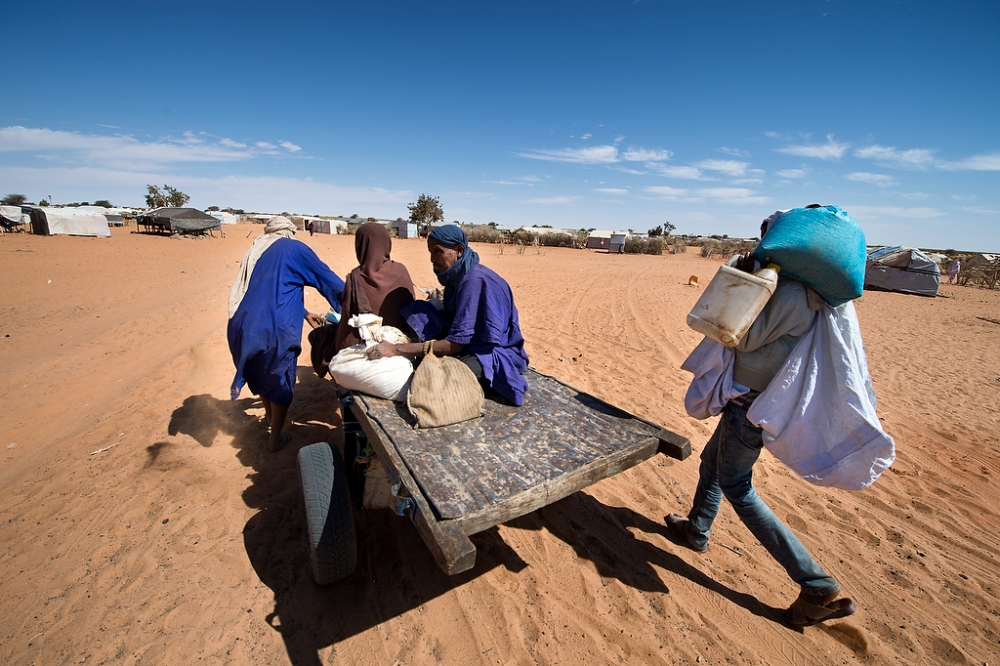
(177, 220)
(617, 243)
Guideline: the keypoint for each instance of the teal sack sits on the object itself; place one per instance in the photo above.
(822, 247)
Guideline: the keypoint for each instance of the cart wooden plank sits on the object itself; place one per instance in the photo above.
(514, 460)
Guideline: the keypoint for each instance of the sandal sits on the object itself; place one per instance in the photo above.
(808, 611)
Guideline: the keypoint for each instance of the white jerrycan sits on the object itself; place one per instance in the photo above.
(731, 303)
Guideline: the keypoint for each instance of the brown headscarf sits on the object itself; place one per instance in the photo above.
(385, 283)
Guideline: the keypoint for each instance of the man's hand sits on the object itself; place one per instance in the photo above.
(745, 263)
(381, 350)
(314, 320)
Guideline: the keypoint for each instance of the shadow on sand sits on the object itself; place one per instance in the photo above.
(396, 571)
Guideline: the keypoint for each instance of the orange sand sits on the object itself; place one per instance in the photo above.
(143, 522)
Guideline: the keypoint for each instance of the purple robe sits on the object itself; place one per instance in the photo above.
(486, 323)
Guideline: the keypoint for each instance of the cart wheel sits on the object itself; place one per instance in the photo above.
(333, 549)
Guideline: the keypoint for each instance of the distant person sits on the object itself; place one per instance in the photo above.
(953, 271)
(482, 328)
(385, 288)
(730, 454)
(266, 310)
(311, 227)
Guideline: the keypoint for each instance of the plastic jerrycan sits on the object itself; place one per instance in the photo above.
(731, 303)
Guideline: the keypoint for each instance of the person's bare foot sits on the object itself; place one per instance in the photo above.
(278, 440)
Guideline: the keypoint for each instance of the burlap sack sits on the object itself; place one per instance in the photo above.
(443, 391)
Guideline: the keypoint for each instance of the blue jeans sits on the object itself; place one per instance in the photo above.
(727, 469)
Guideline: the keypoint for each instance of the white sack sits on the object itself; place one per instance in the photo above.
(818, 413)
(712, 387)
(386, 377)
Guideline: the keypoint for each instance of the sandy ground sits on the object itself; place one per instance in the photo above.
(144, 522)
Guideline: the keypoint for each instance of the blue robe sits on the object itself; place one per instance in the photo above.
(486, 323)
(265, 333)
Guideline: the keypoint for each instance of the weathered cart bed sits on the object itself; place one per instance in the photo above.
(463, 479)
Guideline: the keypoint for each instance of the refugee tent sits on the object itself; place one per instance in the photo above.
(10, 216)
(50, 221)
(183, 220)
(112, 215)
(599, 240)
(903, 269)
(224, 217)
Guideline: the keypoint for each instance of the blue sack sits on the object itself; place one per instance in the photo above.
(822, 247)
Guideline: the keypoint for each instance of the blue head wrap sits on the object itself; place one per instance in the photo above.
(452, 235)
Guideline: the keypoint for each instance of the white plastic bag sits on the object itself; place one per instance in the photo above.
(387, 377)
(818, 413)
(712, 386)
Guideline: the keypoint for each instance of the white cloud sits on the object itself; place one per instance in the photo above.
(260, 193)
(289, 146)
(612, 190)
(915, 158)
(728, 167)
(586, 136)
(643, 155)
(979, 210)
(594, 155)
(876, 212)
(666, 193)
(791, 173)
(528, 181)
(264, 145)
(732, 195)
(555, 201)
(735, 152)
(989, 162)
(832, 150)
(685, 172)
(229, 143)
(116, 150)
(877, 179)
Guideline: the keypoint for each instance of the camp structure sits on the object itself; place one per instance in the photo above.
(224, 217)
(176, 221)
(599, 240)
(903, 269)
(10, 217)
(49, 221)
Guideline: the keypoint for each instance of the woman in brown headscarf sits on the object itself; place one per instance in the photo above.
(378, 285)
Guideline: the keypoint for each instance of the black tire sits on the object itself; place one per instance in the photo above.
(333, 547)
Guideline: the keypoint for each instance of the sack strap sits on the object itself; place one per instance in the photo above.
(429, 348)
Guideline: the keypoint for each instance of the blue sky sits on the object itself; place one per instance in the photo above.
(608, 114)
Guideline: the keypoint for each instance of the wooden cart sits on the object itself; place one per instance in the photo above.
(459, 480)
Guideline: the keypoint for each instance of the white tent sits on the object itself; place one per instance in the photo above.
(11, 216)
(73, 222)
(224, 217)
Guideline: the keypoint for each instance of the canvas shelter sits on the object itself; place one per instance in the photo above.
(903, 269)
(177, 220)
(10, 217)
(224, 217)
(50, 221)
(599, 240)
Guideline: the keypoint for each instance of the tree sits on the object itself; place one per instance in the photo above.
(170, 196)
(43, 202)
(103, 203)
(211, 208)
(655, 232)
(425, 212)
(13, 200)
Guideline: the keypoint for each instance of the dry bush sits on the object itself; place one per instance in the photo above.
(727, 247)
(679, 246)
(484, 233)
(639, 245)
